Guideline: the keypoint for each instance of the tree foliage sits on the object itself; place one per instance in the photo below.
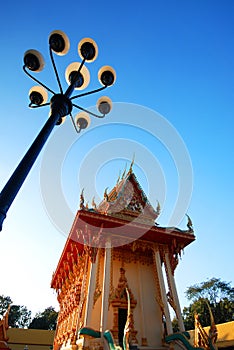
(220, 296)
(4, 303)
(19, 316)
(45, 320)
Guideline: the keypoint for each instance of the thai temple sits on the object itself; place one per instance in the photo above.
(115, 278)
(115, 283)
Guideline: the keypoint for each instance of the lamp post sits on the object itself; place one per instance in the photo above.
(61, 104)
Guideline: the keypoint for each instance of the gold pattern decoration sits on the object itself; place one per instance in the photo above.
(142, 245)
(158, 296)
(135, 205)
(174, 251)
(133, 253)
(83, 294)
(120, 300)
(111, 289)
(97, 291)
(69, 298)
(91, 241)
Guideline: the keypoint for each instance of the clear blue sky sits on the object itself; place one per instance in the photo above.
(174, 57)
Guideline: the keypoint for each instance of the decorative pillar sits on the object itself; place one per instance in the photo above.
(106, 286)
(91, 289)
(163, 291)
(83, 292)
(172, 295)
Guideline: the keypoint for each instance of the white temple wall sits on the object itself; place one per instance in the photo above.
(147, 314)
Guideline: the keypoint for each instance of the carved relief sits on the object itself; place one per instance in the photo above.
(98, 290)
(133, 253)
(119, 300)
(71, 297)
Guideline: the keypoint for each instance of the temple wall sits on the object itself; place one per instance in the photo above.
(140, 279)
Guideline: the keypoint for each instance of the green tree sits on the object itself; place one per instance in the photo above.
(175, 325)
(219, 295)
(19, 316)
(45, 320)
(4, 303)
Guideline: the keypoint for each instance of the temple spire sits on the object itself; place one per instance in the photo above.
(124, 172)
(131, 165)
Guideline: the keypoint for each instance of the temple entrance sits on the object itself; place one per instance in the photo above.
(122, 318)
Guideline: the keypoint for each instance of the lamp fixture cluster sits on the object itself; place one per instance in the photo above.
(77, 76)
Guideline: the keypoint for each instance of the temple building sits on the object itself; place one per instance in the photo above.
(115, 278)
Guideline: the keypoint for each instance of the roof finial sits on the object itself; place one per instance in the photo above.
(82, 199)
(106, 195)
(118, 178)
(94, 205)
(158, 209)
(131, 165)
(124, 171)
(189, 223)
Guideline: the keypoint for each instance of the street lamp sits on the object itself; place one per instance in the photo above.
(61, 104)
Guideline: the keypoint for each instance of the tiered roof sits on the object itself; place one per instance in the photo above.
(128, 201)
(123, 216)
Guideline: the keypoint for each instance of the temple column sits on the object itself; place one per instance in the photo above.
(91, 289)
(174, 295)
(163, 291)
(82, 294)
(106, 286)
(143, 338)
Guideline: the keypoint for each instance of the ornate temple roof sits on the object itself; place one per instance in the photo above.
(125, 215)
(128, 201)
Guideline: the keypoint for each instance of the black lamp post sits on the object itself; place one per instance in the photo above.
(61, 104)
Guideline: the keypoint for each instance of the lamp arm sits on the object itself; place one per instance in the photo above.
(74, 124)
(37, 81)
(89, 92)
(36, 106)
(55, 70)
(87, 111)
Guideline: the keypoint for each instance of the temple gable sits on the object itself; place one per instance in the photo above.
(128, 201)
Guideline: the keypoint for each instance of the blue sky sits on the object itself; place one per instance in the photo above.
(171, 57)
